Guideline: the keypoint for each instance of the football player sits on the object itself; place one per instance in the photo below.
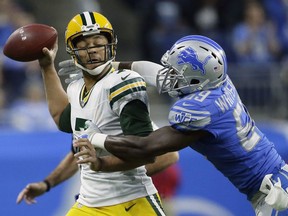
(114, 100)
(209, 117)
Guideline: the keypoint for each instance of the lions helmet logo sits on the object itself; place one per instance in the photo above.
(189, 56)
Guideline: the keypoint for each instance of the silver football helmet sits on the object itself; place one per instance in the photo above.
(193, 63)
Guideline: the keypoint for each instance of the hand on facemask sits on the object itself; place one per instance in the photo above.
(68, 68)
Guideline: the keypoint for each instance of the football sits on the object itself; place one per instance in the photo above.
(26, 43)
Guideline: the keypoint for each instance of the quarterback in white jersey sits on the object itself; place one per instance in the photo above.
(107, 100)
(115, 101)
(103, 106)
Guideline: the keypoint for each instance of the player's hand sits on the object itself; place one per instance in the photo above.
(49, 56)
(87, 154)
(68, 68)
(31, 191)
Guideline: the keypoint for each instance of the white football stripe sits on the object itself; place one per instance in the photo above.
(88, 18)
(154, 201)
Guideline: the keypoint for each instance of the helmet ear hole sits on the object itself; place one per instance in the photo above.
(108, 36)
(75, 40)
(194, 81)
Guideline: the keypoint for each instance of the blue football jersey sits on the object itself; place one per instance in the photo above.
(236, 146)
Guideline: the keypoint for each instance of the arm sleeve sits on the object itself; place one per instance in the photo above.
(148, 70)
(135, 119)
(122, 65)
(125, 65)
(65, 121)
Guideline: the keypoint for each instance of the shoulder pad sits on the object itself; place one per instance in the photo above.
(126, 85)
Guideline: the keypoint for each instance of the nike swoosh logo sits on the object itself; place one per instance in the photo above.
(123, 78)
(127, 209)
(187, 104)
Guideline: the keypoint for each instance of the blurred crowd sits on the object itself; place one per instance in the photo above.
(253, 33)
(250, 31)
(22, 99)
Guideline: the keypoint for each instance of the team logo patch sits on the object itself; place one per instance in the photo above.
(189, 56)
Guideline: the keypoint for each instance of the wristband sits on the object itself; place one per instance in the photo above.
(98, 140)
(48, 185)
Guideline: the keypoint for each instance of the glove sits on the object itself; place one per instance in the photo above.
(67, 67)
(276, 197)
(94, 134)
(88, 132)
(90, 129)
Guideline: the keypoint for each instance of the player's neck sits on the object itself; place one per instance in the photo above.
(90, 80)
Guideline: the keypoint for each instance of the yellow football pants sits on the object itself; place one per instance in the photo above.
(145, 206)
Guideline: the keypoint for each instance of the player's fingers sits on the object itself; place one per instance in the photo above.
(29, 200)
(75, 77)
(66, 63)
(55, 47)
(85, 152)
(83, 142)
(46, 51)
(82, 152)
(87, 160)
(68, 70)
(20, 197)
(87, 144)
(22, 194)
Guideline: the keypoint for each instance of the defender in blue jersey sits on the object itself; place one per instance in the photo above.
(210, 118)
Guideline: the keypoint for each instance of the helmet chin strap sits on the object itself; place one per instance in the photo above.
(187, 90)
(174, 94)
(96, 71)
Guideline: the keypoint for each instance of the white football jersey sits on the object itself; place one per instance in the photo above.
(103, 106)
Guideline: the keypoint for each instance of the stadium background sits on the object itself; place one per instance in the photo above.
(30, 156)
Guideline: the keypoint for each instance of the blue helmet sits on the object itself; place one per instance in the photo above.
(193, 63)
